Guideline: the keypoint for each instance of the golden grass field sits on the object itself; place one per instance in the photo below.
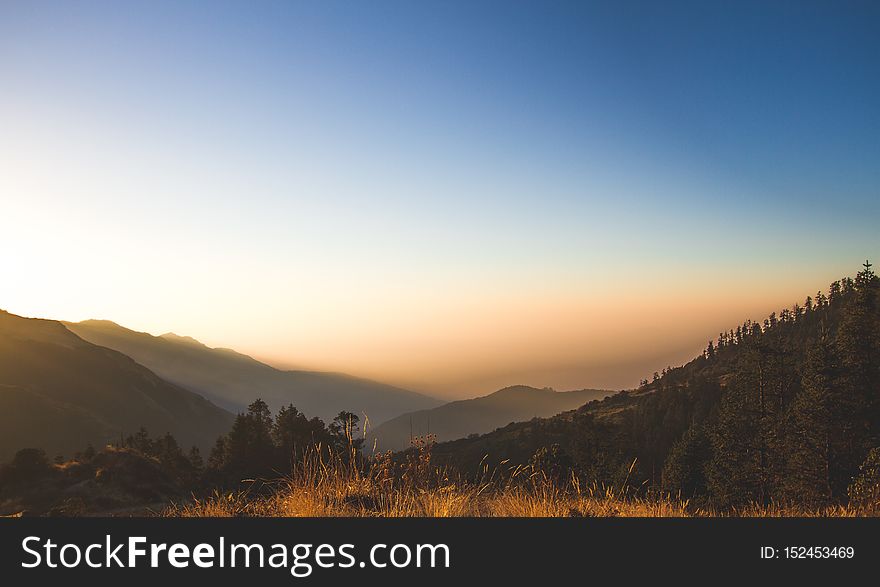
(332, 487)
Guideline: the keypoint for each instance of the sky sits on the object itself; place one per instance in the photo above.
(449, 196)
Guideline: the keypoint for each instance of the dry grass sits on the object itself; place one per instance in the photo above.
(334, 487)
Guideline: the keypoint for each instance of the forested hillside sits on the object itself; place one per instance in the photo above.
(782, 410)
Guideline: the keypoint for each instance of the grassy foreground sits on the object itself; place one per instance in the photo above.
(335, 487)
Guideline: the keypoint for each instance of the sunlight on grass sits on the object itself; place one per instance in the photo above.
(334, 486)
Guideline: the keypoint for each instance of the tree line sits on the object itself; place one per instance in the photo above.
(257, 447)
(783, 410)
(786, 410)
(799, 419)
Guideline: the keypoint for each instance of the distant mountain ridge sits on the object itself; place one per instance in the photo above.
(60, 393)
(459, 419)
(233, 380)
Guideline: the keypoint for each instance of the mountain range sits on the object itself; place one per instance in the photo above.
(233, 380)
(459, 419)
(65, 385)
(60, 393)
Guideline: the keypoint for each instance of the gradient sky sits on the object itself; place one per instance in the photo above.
(451, 196)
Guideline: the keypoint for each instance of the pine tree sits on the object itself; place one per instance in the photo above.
(344, 433)
(747, 456)
(834, 293)
(859, 343)
(249, 448)
(684, 472)
(812, 467)
(195, 459)
(293, 433)
(219, 457)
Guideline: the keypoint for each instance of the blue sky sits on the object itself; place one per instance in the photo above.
(309, 163)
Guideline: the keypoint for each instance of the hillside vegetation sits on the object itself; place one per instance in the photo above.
(786, 410)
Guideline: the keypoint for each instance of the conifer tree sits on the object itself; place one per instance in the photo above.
(812, 467)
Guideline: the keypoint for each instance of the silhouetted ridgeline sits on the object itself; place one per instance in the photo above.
(785, 410)
(60, 393)
(232, 380)
(479, 415)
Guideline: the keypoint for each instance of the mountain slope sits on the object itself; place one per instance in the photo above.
(479, 415)
(787, 409)
(60, 393)
(233, 380)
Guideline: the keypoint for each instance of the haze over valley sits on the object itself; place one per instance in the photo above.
(233, 380)
(67, 385)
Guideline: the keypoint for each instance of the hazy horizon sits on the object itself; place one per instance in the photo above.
(683, 343)
(451, 198)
